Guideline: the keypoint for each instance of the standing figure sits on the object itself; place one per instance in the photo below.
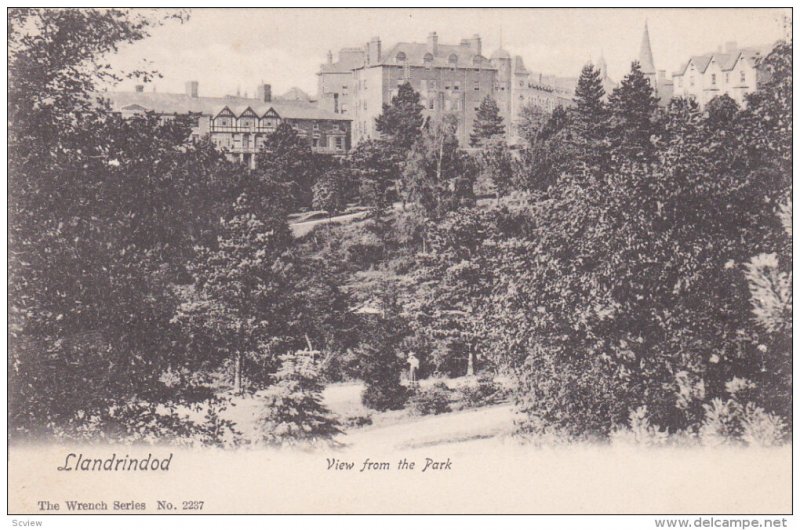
(413, 365)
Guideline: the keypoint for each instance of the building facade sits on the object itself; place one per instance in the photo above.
(240, 125)
(733, 72)
(450, 79)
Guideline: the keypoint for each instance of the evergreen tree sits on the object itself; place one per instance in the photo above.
(588, 115)
(381, 355)
(295, 414)
(634, 121)
(402, 120)
(488, 123)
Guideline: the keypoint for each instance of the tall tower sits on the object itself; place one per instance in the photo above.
(646, 58)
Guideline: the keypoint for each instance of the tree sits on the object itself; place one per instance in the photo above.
(402, 120)
(329, 192)
(287, 160)
(381, 355)
(588, 114)
(633, 111)
(376, 166)
(103, 214)
(531, 121)
(295, 414)
(438, 175)
(488, 123)
(242, 303)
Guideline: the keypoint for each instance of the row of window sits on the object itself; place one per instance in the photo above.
(742, 79)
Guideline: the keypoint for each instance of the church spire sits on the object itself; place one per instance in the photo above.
(646, 53)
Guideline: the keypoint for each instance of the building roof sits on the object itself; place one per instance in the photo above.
(416, 53)
(726, 60)
(166, 103)
(519, 65)
(500, 53)
(295, 94)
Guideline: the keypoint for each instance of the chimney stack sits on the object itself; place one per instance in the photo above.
(139, 88)
(433, 43)
(264, 92)
(330, 57)
(475, 44)
(374, 51)
(192, 88)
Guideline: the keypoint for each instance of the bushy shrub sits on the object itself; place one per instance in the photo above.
(481, 392)
(731, 423)
(432, 400)
(639, 431)
(354, 422)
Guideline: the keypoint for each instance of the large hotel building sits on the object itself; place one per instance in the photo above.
(449, 78)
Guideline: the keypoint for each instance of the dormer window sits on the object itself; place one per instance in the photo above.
(428, 60)
(476, 61)
(400, 58)
(453, 60)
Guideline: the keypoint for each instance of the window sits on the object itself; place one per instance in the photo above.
(453, 60)
(339, 142)
(365, 84)
(742, 77)
(431, 104)
(316, 126)
(400, 58)
(691, 80)
(713, 79)
(727, 77)
(456, 87)
(365, 104)
(477, 85)
(428, 59)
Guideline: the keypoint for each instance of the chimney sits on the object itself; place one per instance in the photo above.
(475, 44)
(330, 57)
(730, 46)
(139, 88)
(192, 88)
(374, 50)
(264, 92)
(433, 43)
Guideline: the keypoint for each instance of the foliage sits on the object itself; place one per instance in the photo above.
(241, 303)
(330, 192)
(431, 400)
(286, 160)
(438, 175)
(103, 215)
(382, 359)
(488, 125)
(295, 414)
(633, 119)
(401, 121)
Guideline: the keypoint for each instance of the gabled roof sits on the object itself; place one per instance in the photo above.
(165, 103)
(727, 61)
(415, 53)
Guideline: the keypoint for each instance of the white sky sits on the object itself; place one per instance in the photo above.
(228, 48)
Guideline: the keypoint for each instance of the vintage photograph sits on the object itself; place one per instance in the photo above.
(399, 260)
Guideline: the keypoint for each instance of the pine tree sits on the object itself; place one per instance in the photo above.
(402, 120)
(588, 115)
(295, 414)
(381, 354)
(633, 109)
(488, 123)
